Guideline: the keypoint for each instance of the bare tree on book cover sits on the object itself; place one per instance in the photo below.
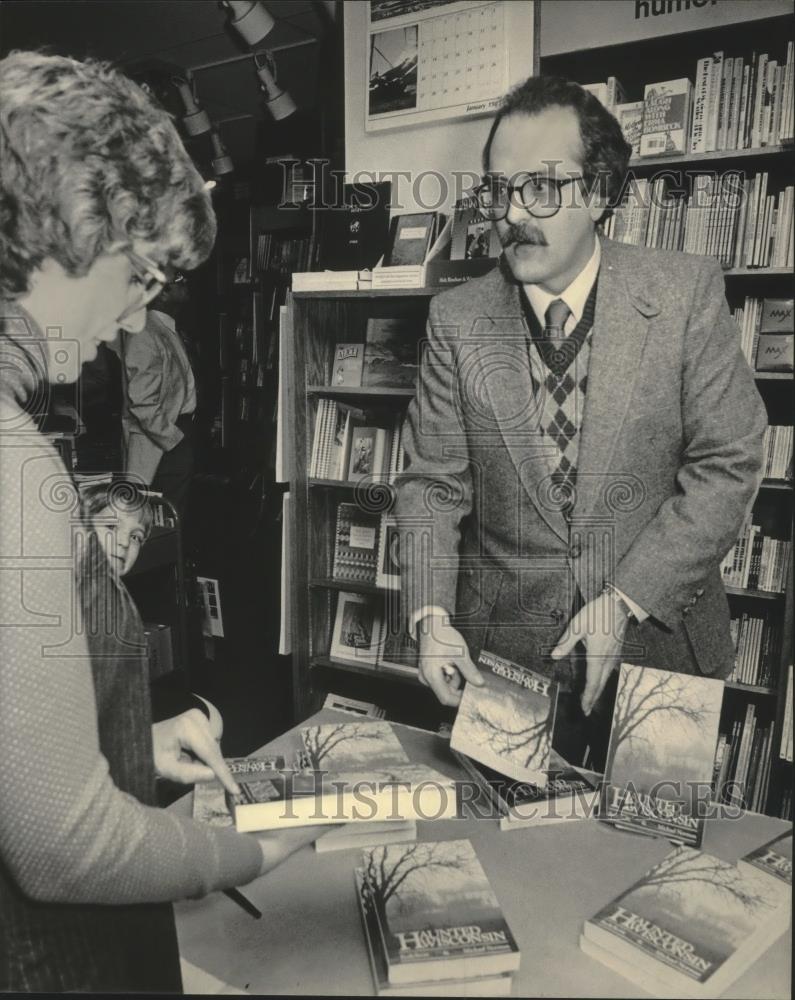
(710, 904)
(406, 875)
(364, 741)
(508, 737)
(659, 732)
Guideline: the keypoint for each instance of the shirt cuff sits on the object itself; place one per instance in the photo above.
(416, 618)
(636, 609)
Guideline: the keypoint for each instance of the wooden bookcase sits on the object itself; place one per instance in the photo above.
(316, 322)
(669, 57)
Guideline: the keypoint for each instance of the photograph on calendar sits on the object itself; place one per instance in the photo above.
(393, 70)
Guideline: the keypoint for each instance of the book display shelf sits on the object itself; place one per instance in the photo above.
(755, 708)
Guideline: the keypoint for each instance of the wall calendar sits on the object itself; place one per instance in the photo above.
(434, 59)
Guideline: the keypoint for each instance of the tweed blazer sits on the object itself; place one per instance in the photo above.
(669, 461)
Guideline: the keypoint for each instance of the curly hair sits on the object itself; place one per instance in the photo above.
(606, 152)
(87, 159)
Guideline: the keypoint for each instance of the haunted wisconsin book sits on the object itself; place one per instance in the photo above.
(507, 723)
(436, 912)
(661, 753)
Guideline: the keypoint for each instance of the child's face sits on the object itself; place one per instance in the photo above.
(121, 536)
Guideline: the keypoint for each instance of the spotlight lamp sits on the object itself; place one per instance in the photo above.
(250, 19)
(278, 102)
(222, 161)
(196, 120)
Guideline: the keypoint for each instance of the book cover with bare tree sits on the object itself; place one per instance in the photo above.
(661, 753)
(437, 913)
(693, 923)
(507, 724)
(352, 746)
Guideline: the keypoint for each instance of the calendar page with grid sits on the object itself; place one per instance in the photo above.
(429, 61)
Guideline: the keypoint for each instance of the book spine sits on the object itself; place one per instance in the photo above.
(727, 72)
(759, 101)
(698, 130)
(743, 108)
(713, 102)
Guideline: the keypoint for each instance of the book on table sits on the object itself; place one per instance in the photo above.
(480, 986)
(436, 912)
(507, 723)
(660, 757)
(209, 797)
(569, 793)
(692, 925)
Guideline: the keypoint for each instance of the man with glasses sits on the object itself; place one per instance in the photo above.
(159, 399)
(585, 439)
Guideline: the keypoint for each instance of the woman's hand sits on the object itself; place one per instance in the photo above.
(185, 751)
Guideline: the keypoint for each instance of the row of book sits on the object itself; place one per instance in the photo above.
(743, 761)
(366, 548)
(348, 447)
(366, 636)
(282, 255)
(785, 750)
(766, 320)
(756, 643)
(756, 561)
(735, 104)
(728, 217)
(778, 452)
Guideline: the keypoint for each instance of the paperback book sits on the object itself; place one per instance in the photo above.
(307, 798)
(388, 564)
(390, 353)
(410, 238)
(209, 797)
(481, 986)
(569, 794)
(356, 556)
(774, 857)
(507, 723)
(357, 629)
(661, 753)
(692, 925)
(348, 360)
(473, 236)
(367, 455)
(359, 835)
(666, 117)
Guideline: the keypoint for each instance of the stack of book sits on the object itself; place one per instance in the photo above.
(432, 922)
(352, 773)
(728, 217)
(756, 644)
(209, 797)
(695, 923)
(743, 759)
(756, 562)
(768, 320)
(330, 281)
(399, 276)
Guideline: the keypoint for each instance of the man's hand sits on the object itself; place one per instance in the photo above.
(444, 659)
(600, 626)
(185, 751)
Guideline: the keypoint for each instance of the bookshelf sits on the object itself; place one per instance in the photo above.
(673, 53)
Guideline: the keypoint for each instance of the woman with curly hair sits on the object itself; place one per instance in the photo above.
(97, 195)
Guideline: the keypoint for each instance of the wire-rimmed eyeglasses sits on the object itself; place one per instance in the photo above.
(538, 194)
(148, 278)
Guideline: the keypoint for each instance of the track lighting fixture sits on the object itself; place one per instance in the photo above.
(222, 161)
(196, 120)
(250, 19)
(278, 102)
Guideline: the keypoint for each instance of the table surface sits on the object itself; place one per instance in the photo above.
(548, 881)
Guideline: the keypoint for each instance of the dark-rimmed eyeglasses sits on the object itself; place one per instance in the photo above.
(538, 194)
(148, 279)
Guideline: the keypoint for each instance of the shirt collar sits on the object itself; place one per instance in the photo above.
(575, 296)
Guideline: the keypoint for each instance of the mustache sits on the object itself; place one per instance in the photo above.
(517, 233)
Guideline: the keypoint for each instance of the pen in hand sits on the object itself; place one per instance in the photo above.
(245, 904)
